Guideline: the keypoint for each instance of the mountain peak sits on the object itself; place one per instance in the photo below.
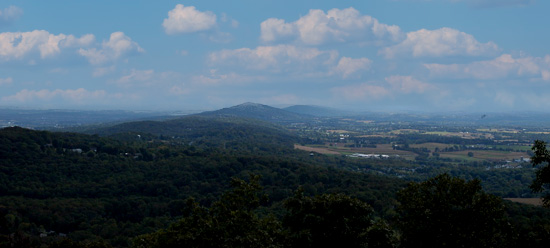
(257, 111)
(249, 104)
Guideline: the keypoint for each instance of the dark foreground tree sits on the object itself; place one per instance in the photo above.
(542, 180)
(328, 220)
(445, 211)
(229, 222)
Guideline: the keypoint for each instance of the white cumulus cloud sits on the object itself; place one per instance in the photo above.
(18, 45)
(118, 45)
(188, 19)
(501, 67)
(10, 14)
(349, 66)
(291, 61)
(337, 25)
(438, 43)
(274, 58)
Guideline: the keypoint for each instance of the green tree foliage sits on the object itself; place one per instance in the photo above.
(542, 180)
(122, 187)
(229, 222)
(327, 220)
(115, 195)
(445, 211)
(67, 243)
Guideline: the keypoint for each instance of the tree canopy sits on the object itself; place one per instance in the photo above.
(446, 211)
(541, 158)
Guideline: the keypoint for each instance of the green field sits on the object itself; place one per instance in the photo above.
(432, 146)
(484, 155)
(514, 147)
(385, 149)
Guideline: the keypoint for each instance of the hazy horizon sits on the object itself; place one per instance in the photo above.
(385, 56)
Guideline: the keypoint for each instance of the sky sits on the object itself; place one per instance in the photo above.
(377, 55)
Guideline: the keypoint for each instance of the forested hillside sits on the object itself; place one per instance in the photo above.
(167, 182)
(226, 132)
(90, 187)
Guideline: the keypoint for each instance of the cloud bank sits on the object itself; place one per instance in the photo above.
(504, 66)
(335, 26)
(19, 45)
(438, 43)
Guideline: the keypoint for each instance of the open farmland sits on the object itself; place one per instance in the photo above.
(385, 149)
(321, 150)
(432, 146)
(484, 155)
(339, 131)
(464, 135)
(404, 131)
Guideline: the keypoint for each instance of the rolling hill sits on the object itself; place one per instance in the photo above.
(259, 112)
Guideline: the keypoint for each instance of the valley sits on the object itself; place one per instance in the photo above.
(112, 182)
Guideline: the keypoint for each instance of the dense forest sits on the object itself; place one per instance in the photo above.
(229, 182)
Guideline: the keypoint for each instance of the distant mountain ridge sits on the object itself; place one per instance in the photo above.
(258, 111)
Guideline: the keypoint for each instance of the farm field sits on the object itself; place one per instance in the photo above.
(321, 150)
(432, 146)
(484, 155)
(339, 131)
(514, 147)
(377, 136)
(385, 149)
(464, 135)
(404, 131)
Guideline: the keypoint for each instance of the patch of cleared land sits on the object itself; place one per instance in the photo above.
(432, 146)
(385, 149)
(530, 201)
(539, 132)
(464, 135)
(404, 131)
(316, 149)
(339, 131)
(380, 149)
(485, 154)
(376, 135)
(497, 130)
(515, 147)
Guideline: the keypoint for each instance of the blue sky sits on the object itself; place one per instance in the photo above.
(379, 55)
